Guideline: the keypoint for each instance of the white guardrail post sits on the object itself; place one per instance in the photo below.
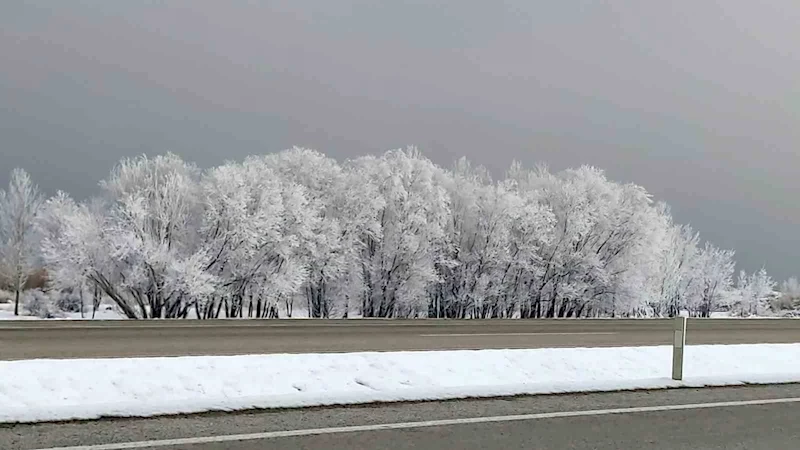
(678, 344)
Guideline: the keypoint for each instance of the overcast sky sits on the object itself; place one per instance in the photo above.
(697, 100)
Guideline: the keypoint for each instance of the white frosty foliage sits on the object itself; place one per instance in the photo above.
(380, 236)
(41, 304)
(18, 209)
(752, 295)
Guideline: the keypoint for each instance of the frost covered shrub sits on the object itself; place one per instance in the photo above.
(68, 301)
(41, 304)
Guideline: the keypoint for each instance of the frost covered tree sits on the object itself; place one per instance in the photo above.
(478, 236)
(257, 229)
(676, 282)
(50, 226)
(601, 248)
(715, 270)
(790, 293)
(342, 211)
(323, 250)
(73, 244)
(151, 233)
(399, 267)
(495, 234)
(141, 249)
(753, 292)
(18, 209)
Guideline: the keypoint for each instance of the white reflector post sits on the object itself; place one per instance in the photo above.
(678, 344)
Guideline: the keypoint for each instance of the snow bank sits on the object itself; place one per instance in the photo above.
(46, 390)
(100, 315)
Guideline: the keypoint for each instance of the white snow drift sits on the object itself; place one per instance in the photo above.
(46, 390)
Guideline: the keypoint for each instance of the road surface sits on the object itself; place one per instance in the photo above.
(97, 339)
(753, 418)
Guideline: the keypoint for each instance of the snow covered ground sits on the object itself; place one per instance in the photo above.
(7, 313)
(45, 390)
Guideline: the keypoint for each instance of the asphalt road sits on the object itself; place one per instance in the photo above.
(578, 422)
(97, 339)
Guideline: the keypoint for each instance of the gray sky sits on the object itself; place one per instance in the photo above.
(697, 100)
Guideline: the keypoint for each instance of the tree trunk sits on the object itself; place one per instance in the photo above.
(309, 305)
(219, 308)
(16, 302)
(562, 310)
(289, 307)
(95, 301)
(580, 309)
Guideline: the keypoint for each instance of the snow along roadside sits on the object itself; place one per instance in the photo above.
(49, 390)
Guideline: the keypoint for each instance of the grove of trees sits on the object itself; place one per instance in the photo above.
(379, 236)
